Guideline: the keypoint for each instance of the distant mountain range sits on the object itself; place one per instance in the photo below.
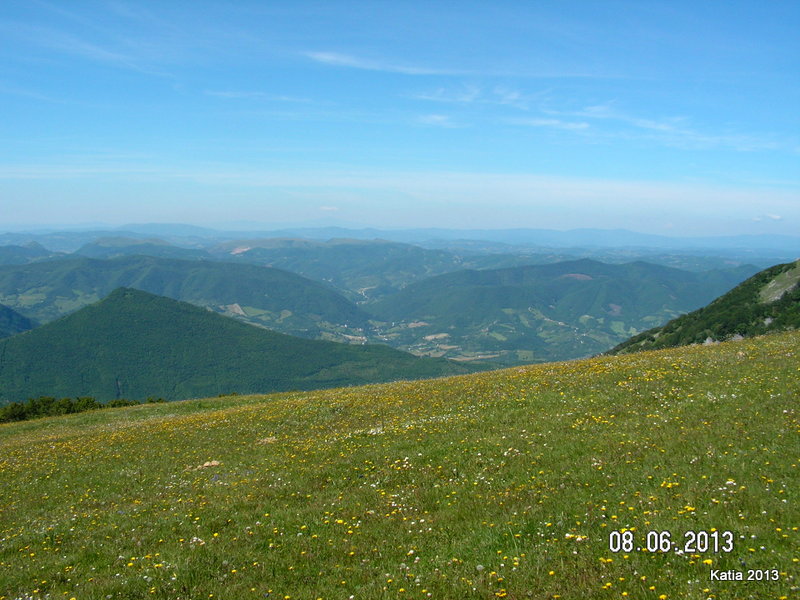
(767, 302)
(387, 293)
(366, 269)
(134, 345)
(114, 247)
(273, 298)
(201, 237)
(362, 269)
(542, 312)
(574, 238)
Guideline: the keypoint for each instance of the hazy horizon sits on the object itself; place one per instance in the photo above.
(670, 118)
(244, 228)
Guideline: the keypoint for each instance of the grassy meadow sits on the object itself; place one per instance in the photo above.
(506, 484)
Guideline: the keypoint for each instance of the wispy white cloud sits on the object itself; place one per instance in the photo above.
(692, 139)
(608, 112)
(463, 95)
(508, 97)
(346, 60)
(767, 217)
(68, 44)
(673, 131)
(71, 45)
(240, 94)
(475, 94)
(554, 123)
(133, 11)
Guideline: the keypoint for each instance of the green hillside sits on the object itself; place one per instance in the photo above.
(270, 297)
(543, 312)
(769, 301)
(524, 483)
(12, 322)
(134, 345)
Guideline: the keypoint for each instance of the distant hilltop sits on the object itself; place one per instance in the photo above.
(134, 345)
(69, 239)
(767, 302)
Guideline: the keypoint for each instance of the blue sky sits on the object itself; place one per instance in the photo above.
(666, 117)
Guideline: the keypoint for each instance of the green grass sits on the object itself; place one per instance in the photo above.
(784, 282)
(501, 484)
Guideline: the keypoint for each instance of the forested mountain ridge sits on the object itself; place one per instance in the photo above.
(362, 269)
(134, 345)
(270, 297)
(768, 301)
(543, 313)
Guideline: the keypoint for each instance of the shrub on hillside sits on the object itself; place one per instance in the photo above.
(47, 406)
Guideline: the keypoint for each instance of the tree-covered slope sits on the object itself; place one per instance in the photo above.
(768, 301)
(12, 322)
(134, 345)
(545, 312)
(271, 297)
